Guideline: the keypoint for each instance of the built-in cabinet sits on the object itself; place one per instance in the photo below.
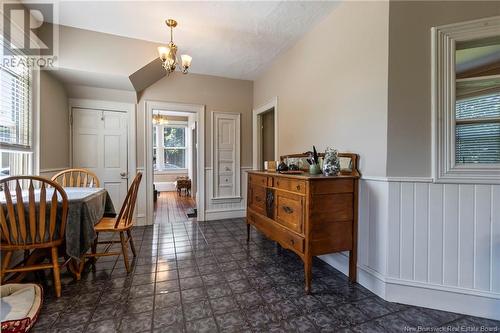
(226, 155)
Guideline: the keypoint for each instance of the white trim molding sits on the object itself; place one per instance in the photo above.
(226, 148)
(444, 39)
(198, 110)
(271, 104)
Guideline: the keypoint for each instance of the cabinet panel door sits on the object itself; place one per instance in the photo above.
(290, 210)
(257, 199)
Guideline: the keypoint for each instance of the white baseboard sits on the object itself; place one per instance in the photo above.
(220, 214)
(140, 220)
(470, 302)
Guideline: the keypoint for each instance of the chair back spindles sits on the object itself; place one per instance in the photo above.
(127, 211)
(76, 178)
(20, 224)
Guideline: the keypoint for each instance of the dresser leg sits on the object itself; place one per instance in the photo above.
(248, 232)
(308, 274)
(353, 266)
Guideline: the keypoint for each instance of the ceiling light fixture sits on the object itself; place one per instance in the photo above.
(168, 54)
(159, 119)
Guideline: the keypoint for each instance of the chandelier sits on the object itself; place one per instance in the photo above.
(168, 54)
(159, 119)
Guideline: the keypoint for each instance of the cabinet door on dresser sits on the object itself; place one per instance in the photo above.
(257, 198)
(290, 210)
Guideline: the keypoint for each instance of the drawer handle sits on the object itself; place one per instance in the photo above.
(287, 209)
(298, 187)
(292, 241)
(277, 183)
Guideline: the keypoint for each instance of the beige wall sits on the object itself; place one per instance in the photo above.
(54, 123)
(101, 94)
(332, 86)
(218, 94)
(409, 115)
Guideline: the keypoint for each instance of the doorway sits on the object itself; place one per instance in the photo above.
(169, 159)
(174, 146)
(265, 134)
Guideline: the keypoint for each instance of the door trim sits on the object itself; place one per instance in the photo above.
(272, 103)
(129, 108)
(199, 111)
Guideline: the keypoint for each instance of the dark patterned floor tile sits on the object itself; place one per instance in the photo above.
(372, 307)
(167, 299)
(206, 325)
(168, 317)
(141, 304)
(191, 282)
(105, 326)
(167, 286)
(142, 290)
(300, 324)
(248, 299)
(197, 310)
(260, 316)
(220, 290)
(416, 317)
(137, 322)
(73, 317)
(369, 327)
(231, 321)
(284, 309)
(223, 305)
(191, 295)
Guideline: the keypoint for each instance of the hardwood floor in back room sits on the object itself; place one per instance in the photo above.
(194, 276)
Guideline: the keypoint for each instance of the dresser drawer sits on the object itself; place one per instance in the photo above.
(277, 233)
(293, 185)
(290, 210)
(257, 199)
(258, 179)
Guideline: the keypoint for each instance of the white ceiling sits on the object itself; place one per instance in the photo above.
(229, 39)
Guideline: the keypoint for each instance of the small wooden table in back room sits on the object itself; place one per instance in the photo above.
(309, 214)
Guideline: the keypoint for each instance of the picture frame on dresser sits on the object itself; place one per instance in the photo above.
(310, 215)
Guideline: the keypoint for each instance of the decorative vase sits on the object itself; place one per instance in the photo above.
(314, 169)
(331, 162)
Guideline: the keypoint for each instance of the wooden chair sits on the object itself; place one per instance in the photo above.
(32, 225)
(76, 178)
(121, 224)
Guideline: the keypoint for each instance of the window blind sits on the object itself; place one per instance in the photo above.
(15, 106)
(477, 130)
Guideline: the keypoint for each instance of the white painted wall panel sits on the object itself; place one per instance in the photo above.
(407, 230)
(495, 239)
(450, 236)
(421, 236)
(482, 240)
(466, 236)
(394, 230)
(435, 253)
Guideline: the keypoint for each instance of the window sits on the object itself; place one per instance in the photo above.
(170, 153)
(16, 119)
(477, 138)
(466, 102)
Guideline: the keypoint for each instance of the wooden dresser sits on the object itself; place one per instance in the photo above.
(308, 214)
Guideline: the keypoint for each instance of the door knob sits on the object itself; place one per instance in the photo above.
(123, 174)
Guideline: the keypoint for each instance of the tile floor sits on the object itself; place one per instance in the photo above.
(203, 277)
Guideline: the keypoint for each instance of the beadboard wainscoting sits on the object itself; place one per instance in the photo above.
(431, 245)
(220, 208)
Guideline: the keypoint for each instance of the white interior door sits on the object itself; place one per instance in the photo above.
(100, 145)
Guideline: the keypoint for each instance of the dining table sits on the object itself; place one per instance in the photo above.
(86, 207)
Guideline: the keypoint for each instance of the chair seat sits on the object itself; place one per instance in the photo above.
(108, 224)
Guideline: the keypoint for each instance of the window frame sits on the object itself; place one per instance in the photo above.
(445, 168)
(161, 148)
(34, 149)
